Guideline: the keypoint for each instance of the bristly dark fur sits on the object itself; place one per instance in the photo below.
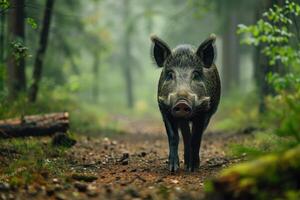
(183, 56)
(189, 77)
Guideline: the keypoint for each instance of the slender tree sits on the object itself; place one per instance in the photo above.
(39, 60)
(96, 76)
(16, 62)
(127, 47)
(2, 48)
(231, 54)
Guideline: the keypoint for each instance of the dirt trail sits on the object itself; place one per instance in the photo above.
(134, 165)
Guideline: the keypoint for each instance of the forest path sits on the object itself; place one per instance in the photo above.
(134, 165)
(131, 165)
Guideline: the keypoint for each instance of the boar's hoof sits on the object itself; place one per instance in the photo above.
(193, 166)
(173, 164)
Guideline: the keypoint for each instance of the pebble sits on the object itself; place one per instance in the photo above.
(4, 186)
(125, 155)
(32, 190)
(60, 196)
(55, 180)
(81, 187)
(10, 197)
(92, 193)
(125, 162)
(50, 190)
(143, 154)
(133, 170)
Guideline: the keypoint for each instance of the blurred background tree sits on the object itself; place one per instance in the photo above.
(98, 53)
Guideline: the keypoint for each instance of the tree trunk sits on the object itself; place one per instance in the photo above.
(96, 76)
(16, 66)
(34, 125)
(38, 65)
(262, 67)
(127, 55)
(231, 60)
(2, 49)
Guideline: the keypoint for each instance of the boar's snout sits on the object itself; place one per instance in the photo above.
(181, 109)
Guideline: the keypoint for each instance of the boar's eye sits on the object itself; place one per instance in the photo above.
(196, 76)
(169, 76)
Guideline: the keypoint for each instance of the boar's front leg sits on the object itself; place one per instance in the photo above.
(186, 135)
(199, 125)
(172, 131)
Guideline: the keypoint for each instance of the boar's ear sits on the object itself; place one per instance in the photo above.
(160, 51)
(206, 51)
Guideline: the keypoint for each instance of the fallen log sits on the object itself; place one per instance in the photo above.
(35, 125)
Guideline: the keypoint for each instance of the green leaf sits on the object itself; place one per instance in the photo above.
(31, 22)
(4, 4)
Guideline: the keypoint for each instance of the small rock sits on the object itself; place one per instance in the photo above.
(10, 197)
(3, 196)
(50, 190)
(124, 156)
(92, 193)
(55, 180)
(58, 187)
(108, 189)
(60, 196)
(143, 154)
(174, 181)
(45, 174)
(4, 186)
(32, 190)
(133, 193)
(106, 140)
(81, 187)
(125, 162)
(133, 170)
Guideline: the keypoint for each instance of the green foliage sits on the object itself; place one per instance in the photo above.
(31, 22)
(240, 114)
(18, 49)
(261, 143)
(4, 4)
(278, 35)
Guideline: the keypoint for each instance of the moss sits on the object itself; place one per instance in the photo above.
(268, 177)
(254, 168)
(33, 158)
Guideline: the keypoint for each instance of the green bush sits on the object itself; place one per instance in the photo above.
(278, 34)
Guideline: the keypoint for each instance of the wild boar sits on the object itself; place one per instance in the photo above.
(188, 95)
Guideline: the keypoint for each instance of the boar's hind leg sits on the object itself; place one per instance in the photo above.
(172, 131)
(186, 135)
(199, 125)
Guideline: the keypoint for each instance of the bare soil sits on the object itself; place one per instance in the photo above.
(132, 165)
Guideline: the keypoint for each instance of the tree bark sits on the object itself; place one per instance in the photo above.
(127, 55)
(261, 62)
(16, 66)
(34, 125)
(96, 76)
(2, 49)
(231, 60)
(39, 60)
